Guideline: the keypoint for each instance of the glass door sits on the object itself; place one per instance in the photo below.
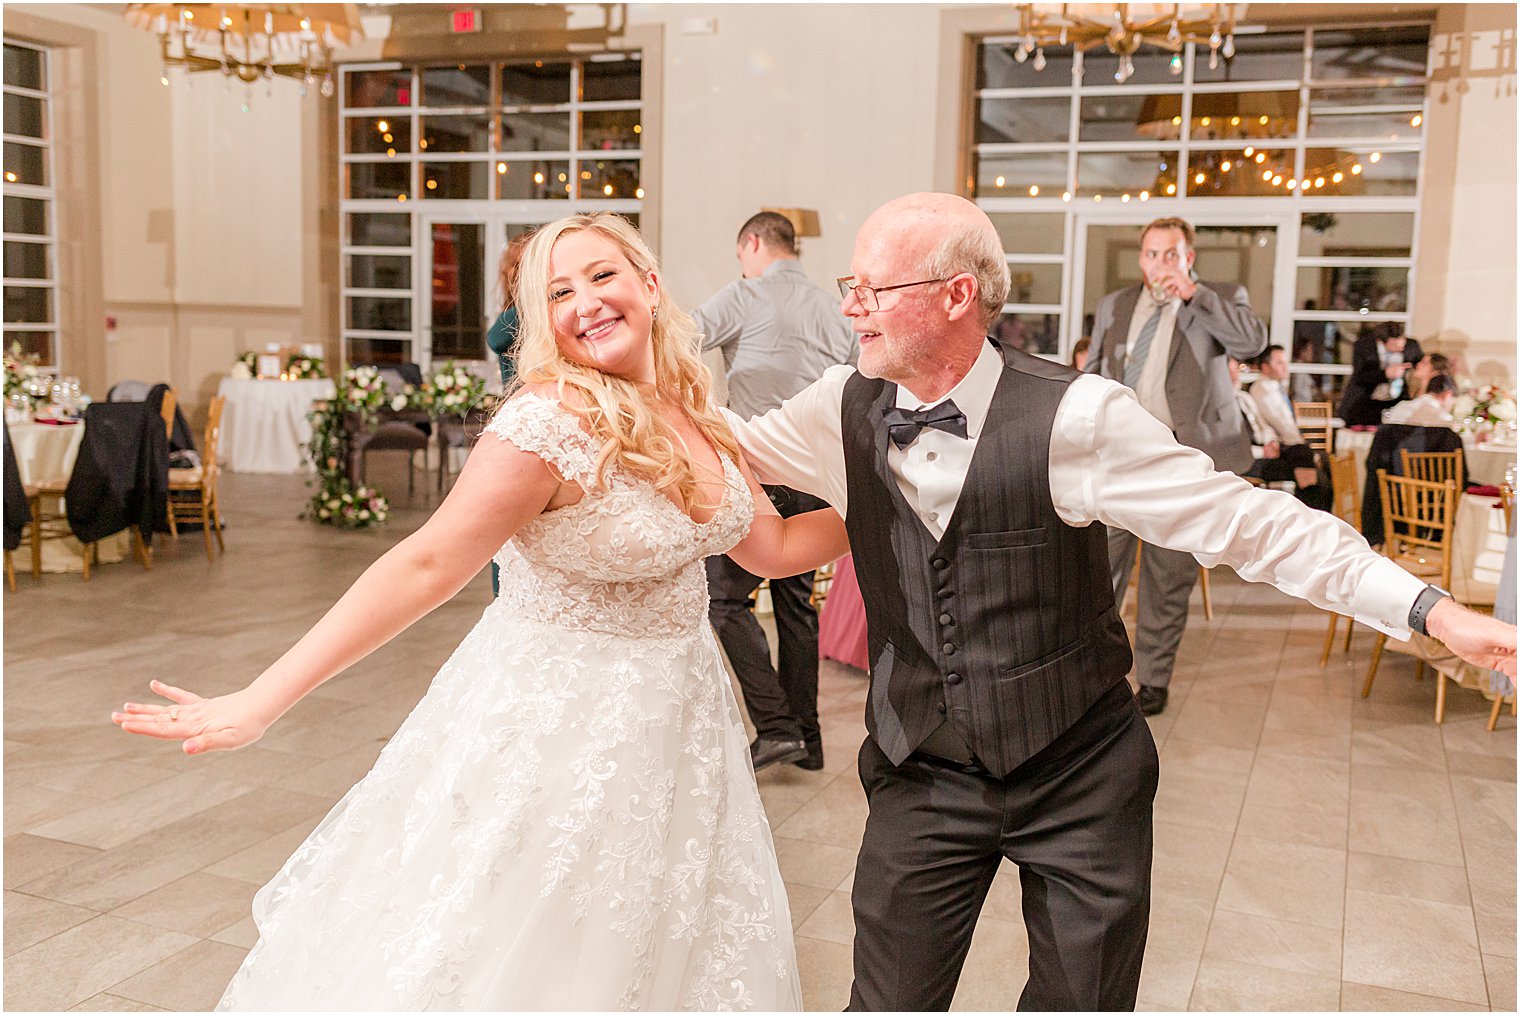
(454, 307)
(462, 294)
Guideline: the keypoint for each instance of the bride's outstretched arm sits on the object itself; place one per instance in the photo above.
(500, 488)
(777, 547)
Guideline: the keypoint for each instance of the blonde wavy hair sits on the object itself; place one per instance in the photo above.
(616, 412)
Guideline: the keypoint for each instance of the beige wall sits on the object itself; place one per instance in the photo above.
(1465, 282)
(828, 106)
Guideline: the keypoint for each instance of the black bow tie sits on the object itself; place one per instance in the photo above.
(904, 425)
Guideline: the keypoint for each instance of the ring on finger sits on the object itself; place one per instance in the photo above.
(174, 715)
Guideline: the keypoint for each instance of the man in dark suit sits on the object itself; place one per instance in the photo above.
(1380, 361)
(1170, 340)
(976, 484)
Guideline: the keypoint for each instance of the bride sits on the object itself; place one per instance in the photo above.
(568, 819)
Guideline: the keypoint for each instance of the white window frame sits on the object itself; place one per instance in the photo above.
(49, 196)
(497, 213)
(1283, 211)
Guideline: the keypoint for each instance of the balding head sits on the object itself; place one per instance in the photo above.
(937, 266)
(944, 235)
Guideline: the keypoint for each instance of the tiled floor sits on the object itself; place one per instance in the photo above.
(1313, 850)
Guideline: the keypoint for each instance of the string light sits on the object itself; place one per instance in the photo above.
(999, 182)
(1034, 191)
(1145, 195)
(1416, 120)
(1066, 195)
(501, 167)
(1375, 157)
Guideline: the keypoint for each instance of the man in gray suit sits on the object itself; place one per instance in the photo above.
(1170, 339)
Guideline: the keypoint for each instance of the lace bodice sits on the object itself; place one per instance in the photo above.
(623, 560)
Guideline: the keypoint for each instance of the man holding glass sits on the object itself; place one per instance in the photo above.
(1170, 340)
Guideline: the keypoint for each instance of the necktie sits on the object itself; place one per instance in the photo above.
(1135, 364)
(904, 425)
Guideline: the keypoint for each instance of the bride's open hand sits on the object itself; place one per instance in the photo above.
(204, 724)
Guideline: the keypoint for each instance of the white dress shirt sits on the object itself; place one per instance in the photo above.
(1150, 387)
(1110, 462)
(1423, 411)
(1276, 410)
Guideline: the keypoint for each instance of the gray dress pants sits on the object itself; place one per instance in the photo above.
(1167, 578)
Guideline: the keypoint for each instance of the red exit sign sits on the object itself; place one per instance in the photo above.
(467, 20)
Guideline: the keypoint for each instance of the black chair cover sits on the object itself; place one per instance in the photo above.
(121, 477)
(1390, 439)
(17, 511)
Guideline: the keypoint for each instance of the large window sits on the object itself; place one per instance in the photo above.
(442, 164)
(1320, 130)
(31, 246)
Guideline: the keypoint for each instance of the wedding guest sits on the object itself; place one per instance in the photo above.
(1079, 352)
(1134, 336)
(1432, 408)
(1430, 364)
(1381, 358)
(778, 332)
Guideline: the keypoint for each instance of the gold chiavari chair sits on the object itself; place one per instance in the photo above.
(166, 410)
(1345, 504)
(1418, 522)
(823, 580)
(198, 486)
(1507, 504)
(1313, 420)
(1433, 466)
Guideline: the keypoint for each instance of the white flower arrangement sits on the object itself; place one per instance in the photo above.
(1483, 407)
(456, 390)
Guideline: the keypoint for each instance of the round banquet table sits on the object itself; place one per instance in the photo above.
(45, 453)
(1486, 463)
(264, 424)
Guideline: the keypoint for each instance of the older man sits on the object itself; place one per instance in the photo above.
(976, 484)
(1169, 340)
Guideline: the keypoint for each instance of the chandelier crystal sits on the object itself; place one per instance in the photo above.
(1124, 28)
(251, 42)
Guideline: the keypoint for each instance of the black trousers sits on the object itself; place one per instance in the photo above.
(1076, 818)
(782, 703)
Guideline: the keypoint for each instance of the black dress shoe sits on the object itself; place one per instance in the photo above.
(814, 760)
(764, 753)
(1152, 700)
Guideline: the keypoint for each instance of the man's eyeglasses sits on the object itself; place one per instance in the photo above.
(866, 294)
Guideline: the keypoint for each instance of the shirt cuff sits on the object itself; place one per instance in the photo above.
(1384, 598)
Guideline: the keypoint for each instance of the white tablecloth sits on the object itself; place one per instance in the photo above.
(264, 425)
(1486, 463)
(46, 454)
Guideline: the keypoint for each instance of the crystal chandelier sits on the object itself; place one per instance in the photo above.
(1124, 28)
(251, 42)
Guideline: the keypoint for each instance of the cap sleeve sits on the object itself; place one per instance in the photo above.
(545, 428)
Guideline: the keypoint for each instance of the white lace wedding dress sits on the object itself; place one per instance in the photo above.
(568, 819)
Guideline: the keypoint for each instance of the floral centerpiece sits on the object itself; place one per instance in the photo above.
(245, 367)
(337, 501)
(1480, 410)
(22, 374)
(412, 398)
(456, 391)
(304, 368)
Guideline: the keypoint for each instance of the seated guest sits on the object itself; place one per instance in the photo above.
(1387, 443)
(1433, 408)
(1430, 364)
(1276, 462)
(1379, 362)
(1079, 352)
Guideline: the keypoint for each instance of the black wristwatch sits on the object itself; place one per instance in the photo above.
(1423, 604)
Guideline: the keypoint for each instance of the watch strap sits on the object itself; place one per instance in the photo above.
(1423, 604)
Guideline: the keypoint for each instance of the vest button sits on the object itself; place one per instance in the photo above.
(944, 619)
(948, 648)
(940, 563)
(952, 678)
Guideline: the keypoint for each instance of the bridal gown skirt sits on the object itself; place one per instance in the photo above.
(567, 820)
